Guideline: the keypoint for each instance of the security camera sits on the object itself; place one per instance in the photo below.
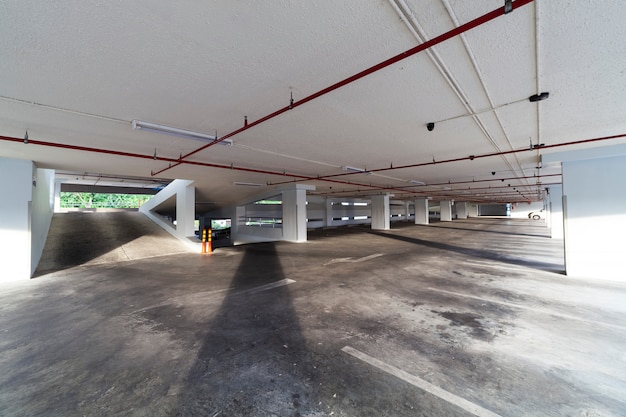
(493, 172)
(430, 126)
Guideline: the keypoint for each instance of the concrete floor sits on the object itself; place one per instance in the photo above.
(454, 319)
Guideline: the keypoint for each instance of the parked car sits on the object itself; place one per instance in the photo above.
(536, 215)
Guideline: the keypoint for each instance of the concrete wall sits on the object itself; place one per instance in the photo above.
(42, 209)
(594, 203)
(184, 193)
(25, 214)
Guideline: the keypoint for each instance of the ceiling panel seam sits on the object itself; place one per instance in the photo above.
(419, 33)
(480, 76)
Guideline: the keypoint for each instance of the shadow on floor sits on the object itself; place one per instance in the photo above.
(499, 232)
(253, 360)
(479, 253)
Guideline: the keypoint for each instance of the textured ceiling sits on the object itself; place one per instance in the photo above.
(78, 72)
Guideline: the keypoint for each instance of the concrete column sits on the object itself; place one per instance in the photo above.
(446, 210)
(57, 195)
(328, 218)
(461, 210)
(421, 211)
(555, 211)
(186, 211)
(380, 212)
(594, 197)
(407, 210)
(25, 215)
(472, 210)
(294, 215)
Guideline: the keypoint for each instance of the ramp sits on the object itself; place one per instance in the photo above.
(89, 238)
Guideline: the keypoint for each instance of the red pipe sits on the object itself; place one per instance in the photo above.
(173, 160)
(406, 54)
(472, 157)
(301, 177)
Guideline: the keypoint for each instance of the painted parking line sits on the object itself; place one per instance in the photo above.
(207, 297)
(350, 260)
(266, 287)
(453, 399)
(535, 310)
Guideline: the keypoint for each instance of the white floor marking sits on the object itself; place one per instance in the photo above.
(363, 259)
(536, 310)
(266, 287)
(215, 295)
(462, 403)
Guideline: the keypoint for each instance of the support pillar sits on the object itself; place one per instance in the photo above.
(445, 207)
(380, 212)
(407, 210)
(57, 195)
(328, 217)
(594, 219)
(421, 211)
(461, 210)
(186, 211)
(26, 211)
(294, 215)
(472, 210)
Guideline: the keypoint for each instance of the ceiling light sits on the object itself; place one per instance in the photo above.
(355, 169)
(416, 182)
(248, 184)
(174, 131)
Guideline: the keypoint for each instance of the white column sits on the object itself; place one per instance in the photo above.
(186, 211)
(461, 210)
(380, 212)
(421, 211)
(184, 192)
(555, 210)
(446, 210)
(472, 210)
(594, 201)
(407, 210)
(328, 218)
(16, 177)
(294, 215)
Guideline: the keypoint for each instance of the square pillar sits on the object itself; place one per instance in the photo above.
(421, 211)
(328, 217)
(461, 210)
(294, 215)
(472, 210)
(380, 212)
(186, 211)
(445, 207)
(594, 197)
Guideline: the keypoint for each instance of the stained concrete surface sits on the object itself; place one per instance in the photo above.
(479, 308)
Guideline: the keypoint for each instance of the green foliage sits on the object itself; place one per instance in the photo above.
(101, 200)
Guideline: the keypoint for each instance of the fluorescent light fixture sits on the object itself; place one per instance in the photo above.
(355, 169)
(174, 131)
(248, 184)
(416, 182)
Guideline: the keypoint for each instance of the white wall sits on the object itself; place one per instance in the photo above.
(25, 214)
(184, 192)
(42, 209)
(594, 197)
